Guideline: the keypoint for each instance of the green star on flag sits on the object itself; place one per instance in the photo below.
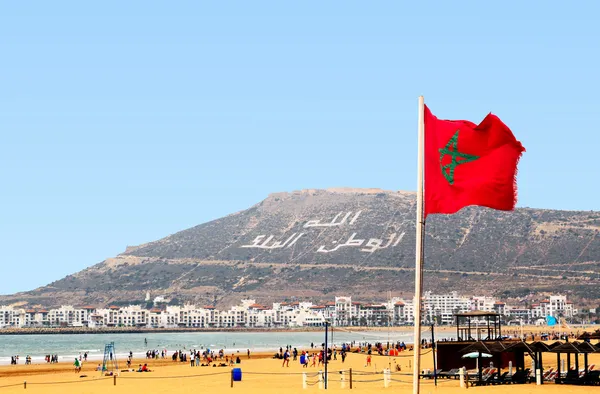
(448, 169)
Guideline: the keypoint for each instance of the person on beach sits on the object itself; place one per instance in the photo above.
(368, 361)
(303, 361)
(286, 358)
(314, 360)
(77, 365)
(192, 359)
(248, 354)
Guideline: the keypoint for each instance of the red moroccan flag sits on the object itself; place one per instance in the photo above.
(469, 164)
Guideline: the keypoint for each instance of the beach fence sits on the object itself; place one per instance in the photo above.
(356, 379)
(350, 379)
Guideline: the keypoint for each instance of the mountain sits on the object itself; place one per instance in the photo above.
(314, 244)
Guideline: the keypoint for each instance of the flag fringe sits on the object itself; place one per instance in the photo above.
(515, 187)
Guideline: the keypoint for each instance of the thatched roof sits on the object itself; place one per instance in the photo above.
(575, 347)
(590, 335)
(485, 347)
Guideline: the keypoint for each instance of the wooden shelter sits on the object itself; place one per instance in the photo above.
(470, 328)
(575, 348)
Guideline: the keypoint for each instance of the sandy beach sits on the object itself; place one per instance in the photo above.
(260, 374)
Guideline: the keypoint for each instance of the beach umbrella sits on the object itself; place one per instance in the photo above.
(476, 355)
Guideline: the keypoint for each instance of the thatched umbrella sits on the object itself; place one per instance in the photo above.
(575, 348)
(586, 336)
(534, 349)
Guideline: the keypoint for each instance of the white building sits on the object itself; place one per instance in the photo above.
(68, 316)
(440, 308)
(556, 306)
(11, 317)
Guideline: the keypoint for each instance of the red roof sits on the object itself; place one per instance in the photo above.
(317, 307)
(88, 307)
(499, 303)
(256, 306)
(155, 310)
(208, 307)
(330, 303)
(43, 311)
(399, 303)
(113, 307)
(30, 311)
(546, 301)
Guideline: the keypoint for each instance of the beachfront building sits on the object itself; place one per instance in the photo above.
(482, 303)
(11, 317)
(68, 316)
(556, 306)
(440, 308)
(399, 317)
(132, 316)
(519, 314)
(375, 315)
(343, 311)
(108, 317)
(36, 318)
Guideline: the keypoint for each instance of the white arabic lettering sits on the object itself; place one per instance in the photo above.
(371, 246)
(334, 222)
(276, 245)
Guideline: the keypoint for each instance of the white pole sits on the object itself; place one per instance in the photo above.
(304, 384)
(386, 381)
(343, 379)
(419, 249)
(461, 374)
(320, 380)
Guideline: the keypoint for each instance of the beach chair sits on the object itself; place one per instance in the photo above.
(572, 377)
(501, 379)
(547, 374)
(430, 375)
(453, 373)
(592, 378)
(520, 377)
(553, 376)
(485, 380)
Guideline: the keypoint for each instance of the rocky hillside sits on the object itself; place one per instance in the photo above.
(318, 243)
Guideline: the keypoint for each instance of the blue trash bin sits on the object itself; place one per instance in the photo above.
(237, 374)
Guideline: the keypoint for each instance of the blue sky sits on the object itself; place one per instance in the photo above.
(123, 122)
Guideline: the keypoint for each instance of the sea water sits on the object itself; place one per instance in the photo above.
(69, 346)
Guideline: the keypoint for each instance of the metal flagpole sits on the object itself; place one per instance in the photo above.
(419, 250)
(325, 353)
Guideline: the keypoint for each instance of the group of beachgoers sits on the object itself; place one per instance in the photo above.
(207, 358)
(51, 358)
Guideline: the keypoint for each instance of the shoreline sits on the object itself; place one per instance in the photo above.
(133, 330)
(145, 330)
